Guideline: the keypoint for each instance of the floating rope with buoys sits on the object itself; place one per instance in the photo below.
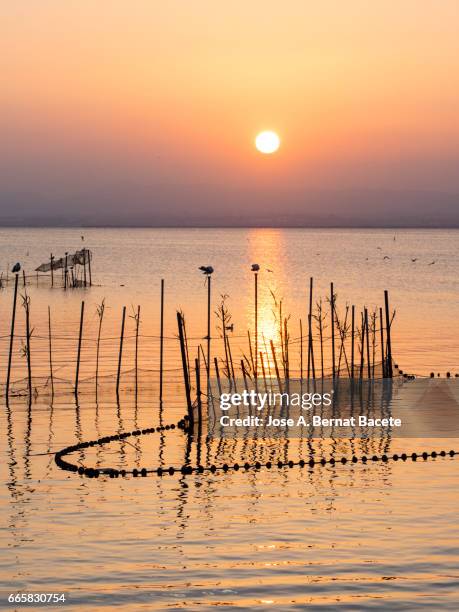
(183, 424)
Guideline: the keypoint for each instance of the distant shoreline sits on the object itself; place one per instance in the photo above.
(229, 226)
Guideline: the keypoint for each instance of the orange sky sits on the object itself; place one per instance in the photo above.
(364, 96)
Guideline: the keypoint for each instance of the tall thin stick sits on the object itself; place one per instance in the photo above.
(256, 326)
(368, 344)
(311, 347)
(136, 362)
(309, 326)
(100, 314)
(381, 331)
(244, 375)
(26, 301)
(52, 269)
(65, 271)
(332, 321)
(118, 375)
(217, 374)
(273, 351)
(186, 376)
(161, 343)
(389, 345)
(208, 333)
(301, 351)
(352, 339)
(231, 364)
(89, 268)
(362, 347)
(80, 335)
(198, 391)
(262, 361)
(84, 267)
(50, 348)
(13, 319)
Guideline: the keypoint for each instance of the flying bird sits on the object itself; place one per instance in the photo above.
(413, 259)
(82, 238)
(16, 268)
(206, 269)
(268, 270)
(386, 257)
(255, 267)
(230, 327)
(432, 263)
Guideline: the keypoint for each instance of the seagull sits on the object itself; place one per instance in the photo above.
(413, 259)
(16, 268)
(206, 269)
(268, 270)
(386, 257)
(82, 238)
(432, 263)
(230, 327)
(255, 267)
(379, 248)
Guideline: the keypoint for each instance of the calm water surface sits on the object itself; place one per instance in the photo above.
(376, 536)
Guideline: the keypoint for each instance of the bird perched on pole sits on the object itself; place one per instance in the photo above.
(16, 268)
(255, 267)
(206, 269)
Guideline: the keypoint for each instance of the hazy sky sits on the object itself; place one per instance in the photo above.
(146, 111)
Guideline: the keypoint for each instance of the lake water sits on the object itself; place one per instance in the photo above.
(381, 536)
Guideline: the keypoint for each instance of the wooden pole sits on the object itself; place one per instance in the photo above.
(301, 351)
(262, 361)
(368, 344)
(208, 333)
(13, 319)
(256, 326)
(100, 313)
(252, 362)
(52, 269)
(231, 364)
(373, 342)
(118, 375)
(89, 268)
(23, 278)
(137, 324)
(80, 335)
(217, 374)
(332, 321)
(161, 344)
(29, 366)
(362, 347)
(309, 326)
(321, 335)
(244, 375)
(50, 352)
(84, 266)
(186, 378)
(352, 339)
(311, 348)
(381, 331)
(286, 356)
(198, 391)
(389, 345)
(273, 351)
(65, 271)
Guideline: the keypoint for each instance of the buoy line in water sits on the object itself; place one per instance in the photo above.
(92, 472)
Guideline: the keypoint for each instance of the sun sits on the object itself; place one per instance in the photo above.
(267, 142)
